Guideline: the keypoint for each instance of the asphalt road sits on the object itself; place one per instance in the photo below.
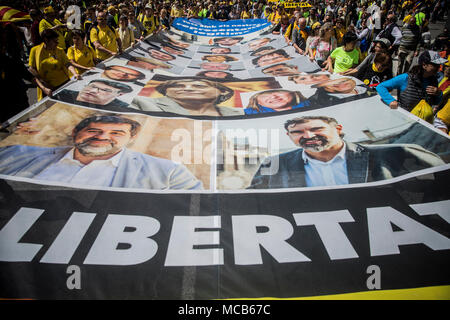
(435, 29)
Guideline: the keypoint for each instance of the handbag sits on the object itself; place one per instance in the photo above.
(424, 111)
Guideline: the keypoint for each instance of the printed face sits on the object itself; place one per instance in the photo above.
(160, 55)
(217, 58)
(281, 70)
(192, 90)
(315, 135)
(256, 44)
(172, 50)
(311, 79)
(220, 50)
(143, 64)
(98, 93)
(271, 58)
(102, 139)
(216, 74)
(122, 73)
(214, 66)
(228, 41)
(275, 99)
(344, 85)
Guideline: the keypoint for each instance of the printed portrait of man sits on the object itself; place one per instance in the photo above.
(325, 158)
(214, 66)
(281, 70)
(98, 156)
(227, 42)
(220, 50)
(160, 55)
(121, 73)
(258, 43)
(271, 58)
(147, 63)
(310, 79)
(97, 94)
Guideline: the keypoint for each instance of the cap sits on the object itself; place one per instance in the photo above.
(384, 41)
(49, 10)
(316, 25)
(431, 57)
(148, 6)
(111, 8)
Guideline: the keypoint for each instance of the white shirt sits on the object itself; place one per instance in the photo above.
(67, 169)
(330, 173)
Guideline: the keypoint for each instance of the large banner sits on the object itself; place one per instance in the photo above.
(226, 168)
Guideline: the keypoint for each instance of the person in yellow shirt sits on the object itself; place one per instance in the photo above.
(339, 30)
(245, 14)
(176, 11)
(81, 56)
(124, 33)
(150, 21)
(104, 39)
(49, 64)
(50, 22)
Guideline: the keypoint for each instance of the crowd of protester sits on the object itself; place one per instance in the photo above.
(358, 38)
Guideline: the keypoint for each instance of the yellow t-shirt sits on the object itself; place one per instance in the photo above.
(126, 36)
(150, 23)
(176, 13)
(107, 38)
(245, 15)
(50, 65)
(44, 24)
(84, 57)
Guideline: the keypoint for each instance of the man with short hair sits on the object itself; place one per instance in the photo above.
(98, 157)
(392, 32)
(324, 158)
(281, 70)
(104, 39)
(97, 94)
(300, 35)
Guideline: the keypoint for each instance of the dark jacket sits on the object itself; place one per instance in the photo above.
(365, 163)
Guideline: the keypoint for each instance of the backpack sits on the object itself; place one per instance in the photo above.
(88, 33)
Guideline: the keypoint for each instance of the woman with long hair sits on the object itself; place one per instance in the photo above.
(81, 56)
(321, 48)
(189, 96)
(275, 101)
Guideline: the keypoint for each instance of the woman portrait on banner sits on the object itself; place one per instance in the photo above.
(321, 48)
(219, 58)
(189, 96)
(275, 101)
(50, 65)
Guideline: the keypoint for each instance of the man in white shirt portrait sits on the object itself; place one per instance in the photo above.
(98, 157)
(324, 158)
